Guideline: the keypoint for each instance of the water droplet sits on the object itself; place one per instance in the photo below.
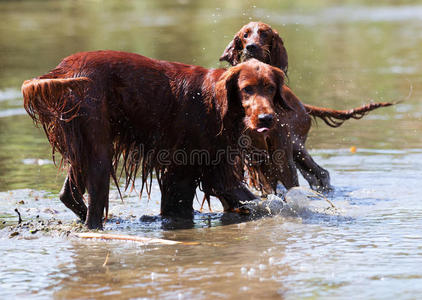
(271, 261)
(251, 272)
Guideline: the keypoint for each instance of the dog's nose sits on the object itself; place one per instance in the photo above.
(265, 118)
(251, 47)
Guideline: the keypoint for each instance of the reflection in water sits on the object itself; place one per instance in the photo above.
(339, 56)
(215, 268)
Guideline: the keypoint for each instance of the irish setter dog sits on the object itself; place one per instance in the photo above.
(99, 108)
(258, 40)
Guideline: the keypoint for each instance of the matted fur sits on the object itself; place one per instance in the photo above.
(54, 104)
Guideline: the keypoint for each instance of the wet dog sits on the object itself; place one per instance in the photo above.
(258, 40)
(101, 108)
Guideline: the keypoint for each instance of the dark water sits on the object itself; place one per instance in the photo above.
(340, 56)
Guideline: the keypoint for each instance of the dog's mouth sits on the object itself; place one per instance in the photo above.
(255, 54)
(262, 129)
(264, 126)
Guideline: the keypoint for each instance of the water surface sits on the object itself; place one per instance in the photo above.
(340, 56)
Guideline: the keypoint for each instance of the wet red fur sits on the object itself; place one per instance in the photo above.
(258, 40)
(99, 108)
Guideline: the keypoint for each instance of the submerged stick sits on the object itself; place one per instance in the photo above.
(106, 259)
(133, 238)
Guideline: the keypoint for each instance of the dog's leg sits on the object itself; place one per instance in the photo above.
(98, 184)
(281, 160)
(178, 191)
(317, 177)
(98, 147)
(237, 196)
(288, 171)
(234, 199)
(71, 194)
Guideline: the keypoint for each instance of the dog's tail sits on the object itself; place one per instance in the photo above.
(50, 99)
(336, 118)
(54, 103)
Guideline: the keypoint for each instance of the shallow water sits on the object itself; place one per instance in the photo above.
(341, 56)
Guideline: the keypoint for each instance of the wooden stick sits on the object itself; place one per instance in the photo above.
(139, 239)
(106, 260)
(19, 216)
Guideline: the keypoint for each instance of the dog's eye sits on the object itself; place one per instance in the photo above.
(270, 88)
(246, 35)
(264, 34)
(248, 89)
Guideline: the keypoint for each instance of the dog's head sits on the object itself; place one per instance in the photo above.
(255, 87)
(257, 40)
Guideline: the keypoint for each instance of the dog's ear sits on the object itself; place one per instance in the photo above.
(226, 91)
(278, 52)
(233, 52)
(283, 96)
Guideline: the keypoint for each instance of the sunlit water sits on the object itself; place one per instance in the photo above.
(368, 246)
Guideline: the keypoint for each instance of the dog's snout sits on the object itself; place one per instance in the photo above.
(251, 47)
(265, 118)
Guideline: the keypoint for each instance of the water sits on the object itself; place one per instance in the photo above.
(341, 56)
